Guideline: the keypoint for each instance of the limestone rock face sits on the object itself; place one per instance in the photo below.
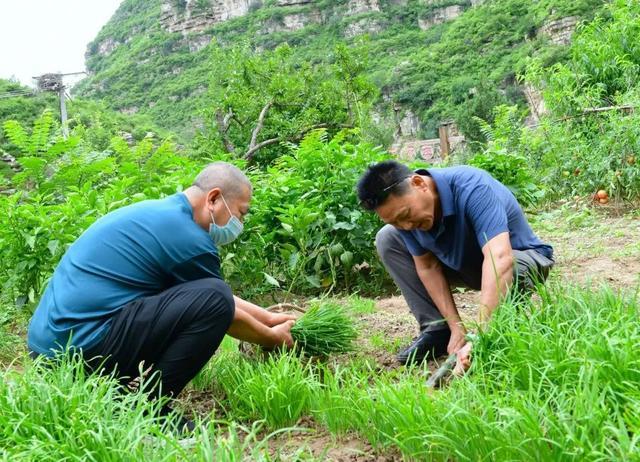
(440, 15)
(536, 104)
(194, 16)
(363, 26)
(294, 2)
(107, 46)
(198, 43)
(292, 22)
(409, 125)
(130, 110)
(560, 31)
(362, 6)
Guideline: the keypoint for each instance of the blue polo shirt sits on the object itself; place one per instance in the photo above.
(133, 252)
(475, 208)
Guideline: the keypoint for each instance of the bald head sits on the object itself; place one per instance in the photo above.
(230, 179)
(219, 191)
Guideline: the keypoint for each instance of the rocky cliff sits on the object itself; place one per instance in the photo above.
(429, 57)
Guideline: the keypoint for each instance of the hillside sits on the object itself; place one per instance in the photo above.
(432, 60)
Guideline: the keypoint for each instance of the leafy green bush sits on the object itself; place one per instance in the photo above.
(64, 187)
(573, 150)
(306, 231)
(501, 157)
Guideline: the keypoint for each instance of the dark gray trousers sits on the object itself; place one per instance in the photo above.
(530, 267)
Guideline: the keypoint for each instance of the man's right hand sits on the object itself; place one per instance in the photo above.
(282, 334)
(457, 340)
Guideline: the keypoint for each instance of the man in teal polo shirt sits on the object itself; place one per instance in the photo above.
(445, 227)
(143, 285)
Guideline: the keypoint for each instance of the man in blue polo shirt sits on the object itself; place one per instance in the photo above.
(450, 226)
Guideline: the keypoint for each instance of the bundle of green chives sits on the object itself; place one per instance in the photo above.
(324, 329)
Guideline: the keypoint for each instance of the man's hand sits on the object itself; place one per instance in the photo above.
(457, 339)
(464, 359)
(282, 333)
(278, 318)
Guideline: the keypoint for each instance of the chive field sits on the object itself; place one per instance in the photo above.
(555, 378)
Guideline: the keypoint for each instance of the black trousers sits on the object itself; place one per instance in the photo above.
(175, 332)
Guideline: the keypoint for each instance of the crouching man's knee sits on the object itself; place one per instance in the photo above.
(388, 239)
(219, 302)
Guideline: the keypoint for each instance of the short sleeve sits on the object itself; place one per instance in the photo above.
(486, 213)
(412, 244)
(202, 266)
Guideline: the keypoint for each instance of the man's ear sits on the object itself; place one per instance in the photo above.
(417, 181)
(213, 195)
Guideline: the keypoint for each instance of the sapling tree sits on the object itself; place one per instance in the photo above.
(259, 100)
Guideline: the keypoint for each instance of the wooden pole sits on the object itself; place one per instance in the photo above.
(63, 113)
(443, 133)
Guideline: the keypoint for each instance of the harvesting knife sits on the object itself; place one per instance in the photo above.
(442, 372)
(446, 369)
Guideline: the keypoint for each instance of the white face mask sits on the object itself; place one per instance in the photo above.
(228, 233)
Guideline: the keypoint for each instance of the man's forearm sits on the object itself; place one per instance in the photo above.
(438, 289)
(497, 277)
(253, 310)
(247, 328)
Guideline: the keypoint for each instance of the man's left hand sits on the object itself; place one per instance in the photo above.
(279, 318)
(463, 361)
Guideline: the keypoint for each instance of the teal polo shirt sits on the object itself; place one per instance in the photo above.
(133, 252)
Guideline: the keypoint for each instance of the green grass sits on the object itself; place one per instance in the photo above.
(59, 413)
(277, 390)
(380, 340)
(553, 379)
(356, 304)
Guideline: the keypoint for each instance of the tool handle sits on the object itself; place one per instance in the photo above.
(442, 372)
(286, 307)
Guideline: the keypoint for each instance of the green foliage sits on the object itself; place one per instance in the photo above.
(604, 63)
(324, 329)
(306, 231)
(278, 390)
(24, 109)
(438, 72)
(556, 384)
(573, 152)
(269, 98)
(73, 416)
(501, 159)
(553, 379)
(64, 186)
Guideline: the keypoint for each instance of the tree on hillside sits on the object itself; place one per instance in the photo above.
(259, 100)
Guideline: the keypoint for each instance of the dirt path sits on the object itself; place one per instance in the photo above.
(607, 251)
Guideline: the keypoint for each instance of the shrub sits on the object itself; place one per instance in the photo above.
(306, 231)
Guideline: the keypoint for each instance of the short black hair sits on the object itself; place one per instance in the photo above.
(380, 181)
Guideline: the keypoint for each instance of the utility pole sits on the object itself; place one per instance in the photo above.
(63, 113)
(54, 83)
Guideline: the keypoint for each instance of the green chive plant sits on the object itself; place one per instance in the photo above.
(324, 329)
